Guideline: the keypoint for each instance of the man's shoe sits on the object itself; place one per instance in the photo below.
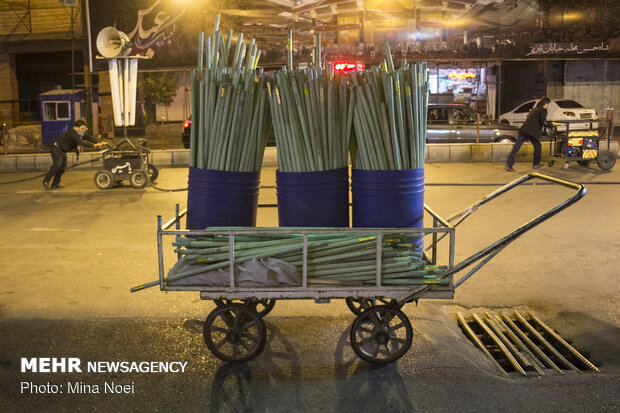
(509, 168)
(537, 166)
(58, 187)
(46, 185)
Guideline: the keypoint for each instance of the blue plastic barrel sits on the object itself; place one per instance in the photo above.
(388, 199)
(221, 198)
(313, 199)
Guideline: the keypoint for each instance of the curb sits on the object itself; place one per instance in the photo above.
(435, 153)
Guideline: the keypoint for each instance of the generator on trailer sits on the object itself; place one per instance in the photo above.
(126, 160)
(581, 146)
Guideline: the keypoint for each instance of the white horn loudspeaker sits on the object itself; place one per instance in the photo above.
(115, 46)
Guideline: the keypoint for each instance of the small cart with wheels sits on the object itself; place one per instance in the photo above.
(126, 160)
(381, 333)
(581, 146)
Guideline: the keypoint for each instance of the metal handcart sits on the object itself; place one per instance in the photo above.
(381, 333)
(578, 145)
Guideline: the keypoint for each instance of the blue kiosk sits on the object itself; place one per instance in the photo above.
(60, 108)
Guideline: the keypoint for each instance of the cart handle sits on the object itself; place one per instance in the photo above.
(489, 252)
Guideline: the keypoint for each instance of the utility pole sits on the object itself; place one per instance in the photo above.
(88, 87)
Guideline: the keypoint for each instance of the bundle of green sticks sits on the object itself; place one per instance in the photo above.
(390, 116)
(312, 117)
(230, 117)
(333, 259)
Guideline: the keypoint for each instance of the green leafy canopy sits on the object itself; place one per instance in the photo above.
(160, 88)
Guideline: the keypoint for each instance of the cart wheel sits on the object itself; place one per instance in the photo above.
(138, 179)
(381, 334)
(550, 163)
(262, 307)
(584, 163)
(605, 160)
(104, 180)
(235, 333)
(153, 172)
(357, 306)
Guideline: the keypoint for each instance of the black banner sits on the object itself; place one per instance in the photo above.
(167, 30)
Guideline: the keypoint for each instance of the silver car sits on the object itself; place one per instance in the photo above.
(457, 123)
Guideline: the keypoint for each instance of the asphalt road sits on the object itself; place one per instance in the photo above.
(70, 256)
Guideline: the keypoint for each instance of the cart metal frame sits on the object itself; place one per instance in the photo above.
(399, 295)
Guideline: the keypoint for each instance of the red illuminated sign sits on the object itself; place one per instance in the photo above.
(348, 66)
(461, 75)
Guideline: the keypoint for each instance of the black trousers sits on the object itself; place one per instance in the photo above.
(521, 138)
(59, 159)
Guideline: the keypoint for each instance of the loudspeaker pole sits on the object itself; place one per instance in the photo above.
(115, 47)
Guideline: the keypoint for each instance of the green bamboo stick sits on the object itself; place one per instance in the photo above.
(363, 154)
(278, 128)
(208, 54)
(199, 117)
(314, 109)
(233, 141)
(289, 49)
(264, 128)
(400, 123)
(193, 141)
(332, 147)
(227, 46)
(318, 52)
(320, 81)
(388, 56)
(295, 158)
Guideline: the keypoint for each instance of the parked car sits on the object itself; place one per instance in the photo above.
(457, 123)
(559, 110)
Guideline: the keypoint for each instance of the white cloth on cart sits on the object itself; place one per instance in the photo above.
(265, 272)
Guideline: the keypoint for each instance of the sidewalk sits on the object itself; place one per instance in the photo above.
(435, 153)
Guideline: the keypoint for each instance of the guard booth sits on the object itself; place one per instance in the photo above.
(60, 108)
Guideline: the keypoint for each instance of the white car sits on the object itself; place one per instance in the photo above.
(559, 110)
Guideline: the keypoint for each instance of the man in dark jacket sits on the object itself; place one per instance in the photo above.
(531, 130)
(67, 142)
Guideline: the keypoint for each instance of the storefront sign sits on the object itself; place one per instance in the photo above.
(566, 48)
(461, 75)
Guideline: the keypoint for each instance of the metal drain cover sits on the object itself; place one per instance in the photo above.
(522, 345)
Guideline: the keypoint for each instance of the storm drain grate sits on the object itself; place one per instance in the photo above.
(522, 345)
